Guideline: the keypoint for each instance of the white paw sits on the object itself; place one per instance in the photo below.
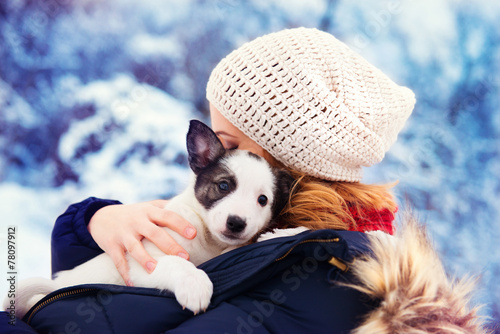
(285, 232)
(195, 291)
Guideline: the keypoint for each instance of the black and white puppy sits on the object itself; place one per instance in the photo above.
(233, 196)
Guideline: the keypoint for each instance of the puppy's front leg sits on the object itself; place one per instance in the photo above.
(191, 286)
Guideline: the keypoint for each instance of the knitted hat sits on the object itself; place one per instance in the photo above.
(311, 102)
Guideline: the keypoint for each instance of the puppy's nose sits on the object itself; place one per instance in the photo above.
(235, 224)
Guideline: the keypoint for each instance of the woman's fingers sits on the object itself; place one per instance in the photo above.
(119, 229)
(118, 257)
(164, 241)
(174, 221)
(159, 203)
(135, 249)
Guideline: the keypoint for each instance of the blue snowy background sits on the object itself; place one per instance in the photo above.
(95, 98)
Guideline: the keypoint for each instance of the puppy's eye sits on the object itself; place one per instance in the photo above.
(262, 200)
(223, 186)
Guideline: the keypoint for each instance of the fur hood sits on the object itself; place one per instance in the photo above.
(406, 274)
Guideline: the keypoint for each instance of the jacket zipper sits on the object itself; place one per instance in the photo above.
(87, 290)
(304, 242)
(56, 297)
(334, 261)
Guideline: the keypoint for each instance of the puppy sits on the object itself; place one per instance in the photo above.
(233, 196)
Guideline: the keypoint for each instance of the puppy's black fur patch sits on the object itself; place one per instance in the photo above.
(204, 153)
(208, 185)
(283, 185)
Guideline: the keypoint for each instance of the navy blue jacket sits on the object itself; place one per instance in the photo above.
(282, 285)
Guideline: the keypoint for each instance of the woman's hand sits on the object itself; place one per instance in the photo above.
(119, 229)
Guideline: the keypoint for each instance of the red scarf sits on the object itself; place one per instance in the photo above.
(373, 220)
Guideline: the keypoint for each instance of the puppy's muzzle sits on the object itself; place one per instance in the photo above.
(235, 224)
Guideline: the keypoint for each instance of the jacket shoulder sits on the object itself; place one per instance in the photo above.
(405, 272)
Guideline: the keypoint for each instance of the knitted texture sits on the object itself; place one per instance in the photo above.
(311, 102)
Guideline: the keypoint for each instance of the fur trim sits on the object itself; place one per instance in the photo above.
(417, 296)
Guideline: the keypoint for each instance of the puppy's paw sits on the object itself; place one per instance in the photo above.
(286, 232)
(195, 291)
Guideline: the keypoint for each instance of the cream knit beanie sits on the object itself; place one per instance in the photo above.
(311, 102)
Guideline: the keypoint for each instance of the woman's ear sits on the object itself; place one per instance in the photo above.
(203, 146)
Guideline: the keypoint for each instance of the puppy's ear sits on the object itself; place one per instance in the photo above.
(284, 183)
(203, 146)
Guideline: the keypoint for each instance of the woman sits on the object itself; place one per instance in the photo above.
(306, 102)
